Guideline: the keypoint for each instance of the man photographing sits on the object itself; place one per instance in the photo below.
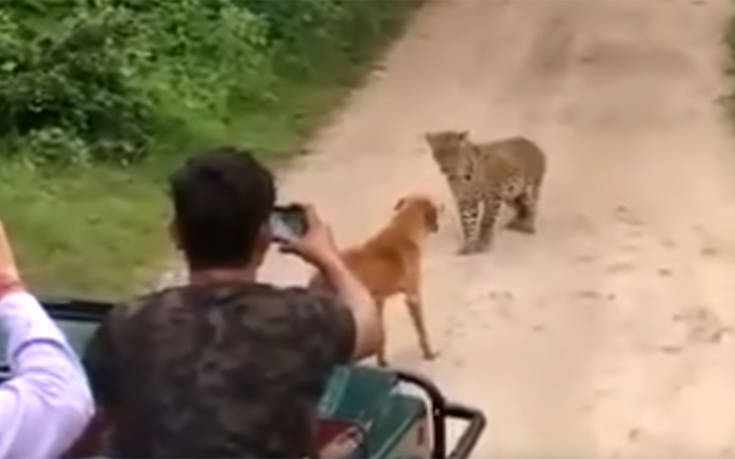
(227, 366)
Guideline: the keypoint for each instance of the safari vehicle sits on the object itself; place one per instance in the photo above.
(374, 406)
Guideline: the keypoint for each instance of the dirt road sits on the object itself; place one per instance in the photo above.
(608, 333)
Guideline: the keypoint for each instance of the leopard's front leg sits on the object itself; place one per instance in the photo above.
(491, 208)
(470, 215)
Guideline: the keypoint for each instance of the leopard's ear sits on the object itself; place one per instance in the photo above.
(431, 216)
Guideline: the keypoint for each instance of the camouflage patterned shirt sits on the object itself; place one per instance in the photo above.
(227, 370)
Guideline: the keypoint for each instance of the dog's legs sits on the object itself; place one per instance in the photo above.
(381, 346)
(413, 301)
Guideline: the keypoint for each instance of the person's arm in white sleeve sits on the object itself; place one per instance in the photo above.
(46, 403)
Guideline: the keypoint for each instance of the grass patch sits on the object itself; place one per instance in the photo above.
(101, 231)
(95, 232)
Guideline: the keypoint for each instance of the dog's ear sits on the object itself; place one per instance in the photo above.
(399, 204)
(463, 135)
(432, 218)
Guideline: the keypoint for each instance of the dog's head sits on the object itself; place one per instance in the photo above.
(423, 208)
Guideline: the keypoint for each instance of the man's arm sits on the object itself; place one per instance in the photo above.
(317, 247)
(46, 403)
(353, 294)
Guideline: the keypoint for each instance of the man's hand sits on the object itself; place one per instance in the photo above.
(317, 246)
(9, 276)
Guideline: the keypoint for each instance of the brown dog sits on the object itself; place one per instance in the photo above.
(390, 262)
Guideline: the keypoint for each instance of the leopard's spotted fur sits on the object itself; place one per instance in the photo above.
(483, 176)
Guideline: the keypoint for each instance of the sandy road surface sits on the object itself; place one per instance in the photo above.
(607, 334)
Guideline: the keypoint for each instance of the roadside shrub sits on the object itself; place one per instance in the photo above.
(205, 51)
(55, 146)
(103, 76)
(76, 80)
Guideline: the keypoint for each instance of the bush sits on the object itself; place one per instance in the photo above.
(74, 84)
(99, 75)
(55, 146)
(205, 52)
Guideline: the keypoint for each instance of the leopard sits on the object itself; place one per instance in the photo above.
(483, 176)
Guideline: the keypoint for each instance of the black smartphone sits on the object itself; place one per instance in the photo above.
(288, 222)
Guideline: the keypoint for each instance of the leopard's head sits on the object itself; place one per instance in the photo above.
(446, 147)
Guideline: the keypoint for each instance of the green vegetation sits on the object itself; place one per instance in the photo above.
(101, 98)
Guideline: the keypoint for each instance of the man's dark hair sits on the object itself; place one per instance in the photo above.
(221, 198)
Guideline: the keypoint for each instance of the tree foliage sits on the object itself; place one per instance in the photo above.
(89, 80)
